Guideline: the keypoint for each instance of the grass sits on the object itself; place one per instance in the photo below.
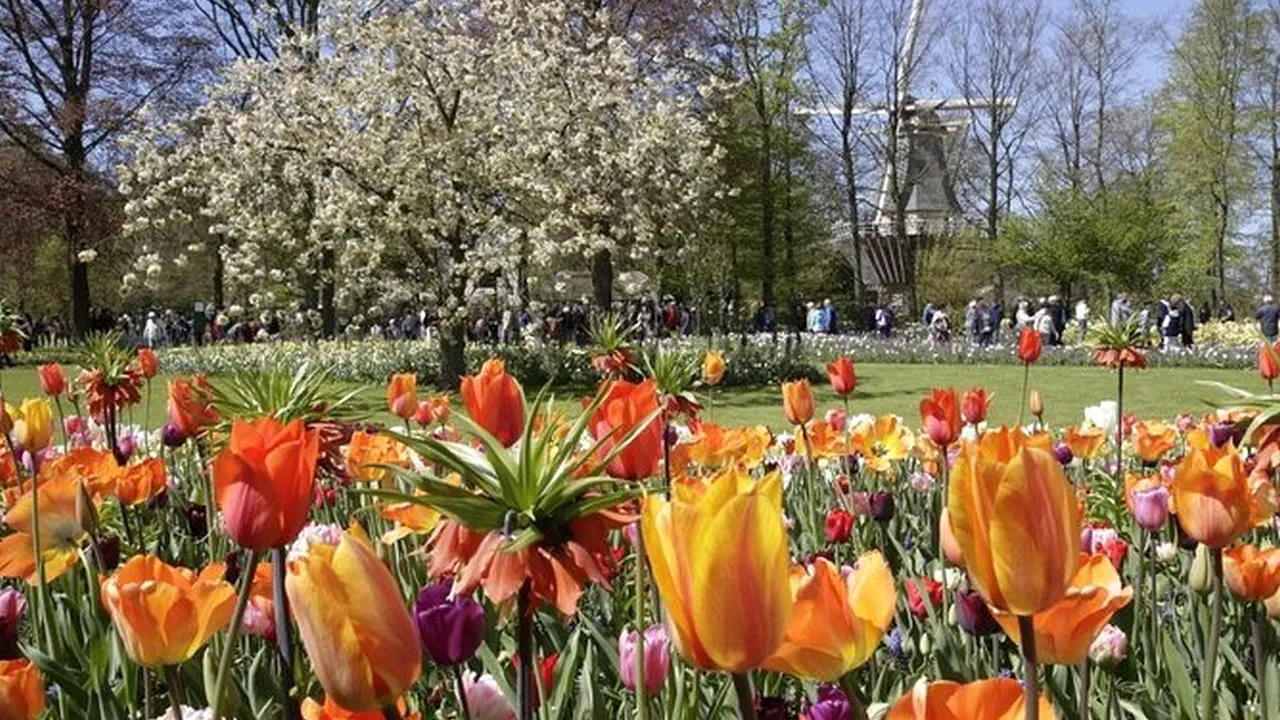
(1157, 393)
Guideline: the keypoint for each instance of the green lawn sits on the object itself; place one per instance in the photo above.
(898, 389)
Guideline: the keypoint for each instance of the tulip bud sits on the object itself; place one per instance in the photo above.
(197, 520)
(973, 614)
(52, 381)
(107, 548)
(424, 415)
(832, 704)
(13, 606)
(1166, 552)
(1109, 647)
(450, 628)
(657, 661)
(1201, 577)
(172, 436)
(86, 511)
(837, 419)
(484, 697)
(126, 446)
(839, 526)
(882, 506)
(1035, 404)
(1062, 451)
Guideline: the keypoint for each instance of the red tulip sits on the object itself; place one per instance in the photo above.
(424, 415)
(940, 413)
(191, 405)
(974, 404)
(839, 526)
(148, 364)
(495, 402)
(263, 481)
(626, 405)
(916, 590)
(840, 372)
(52, 381)
(1268, 362)
(1028, 346)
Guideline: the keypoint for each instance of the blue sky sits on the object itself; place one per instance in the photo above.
(1170, 14)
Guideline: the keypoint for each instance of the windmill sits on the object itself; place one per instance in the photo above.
(928, 131)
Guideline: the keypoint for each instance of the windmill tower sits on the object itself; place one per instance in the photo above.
(918, 174)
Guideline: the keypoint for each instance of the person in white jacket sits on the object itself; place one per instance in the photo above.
(1082, 318)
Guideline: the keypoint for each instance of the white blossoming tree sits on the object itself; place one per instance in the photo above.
(431, 145)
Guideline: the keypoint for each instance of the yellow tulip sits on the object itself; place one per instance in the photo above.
(713, 367)
(1214, 499)
(882, 443)
(1016, 520)
(61, 531)
(837, 620)
(355, 626)
(33, 424)
(719, 557)
(164, 614)
(1065, 631)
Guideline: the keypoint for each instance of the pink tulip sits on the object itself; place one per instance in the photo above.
(485, 699)
(1109, 647)
(656, 659)
(1151, 507)
(837, 418)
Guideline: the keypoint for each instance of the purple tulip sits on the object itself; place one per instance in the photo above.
(1063, 453)
(1222, 433)
(13, 606)
(126, 446)
(881, 505)
(172, 436)
(1151, 507)
(832, 705)
(973, 614)
(108, 548)
(450, 628)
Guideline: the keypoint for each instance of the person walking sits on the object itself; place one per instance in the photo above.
(884, 321)
(996, 316)
(1082, 318)
(1120, 310)
(1268, 317)
(1187, 332)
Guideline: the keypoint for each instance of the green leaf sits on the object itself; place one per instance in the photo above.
(1179, 680)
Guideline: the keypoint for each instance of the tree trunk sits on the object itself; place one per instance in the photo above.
(79, 272)
(219, 279)
(788, 232)
(851, 198)
(766, 199)
(328, 293)
(1274, 276)
(453, 345)
(602, 279)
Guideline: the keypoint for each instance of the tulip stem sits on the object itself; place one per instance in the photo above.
(233, 634)
(175, 690)
(1026, 380)
(1120, 422)
(42, 589)
(1030, 668)
(746, 696)
(284, 634)
(808, 487)
(524, 646)
(1085, 677)
(1211, 641)
(642, 709)
(1260, 659)
(1154, 609)
(463, 709)
(391, 712)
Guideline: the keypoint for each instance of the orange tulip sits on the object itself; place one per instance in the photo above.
(997, 699)
(950, 548)
(191, 405)
(1029, 346)
(441, 407)
(367, 451)
(355, 626)
(840, 372)
(1065, 631)
(1252, 574)
(402, 395)
(164, 614)
(1015, 518)
(940, 413)
(148, 365)
(837, 620)
(60, 530)
(1152, 440)
(719, 554)
(330, 710)
(1268, 362)
(797, 401)
(495, 402)
(21, 690)
(974, 405)
(713, 367)
(52, 381)
(1085, 442)
(137, 483)
(263, 481)
(1213, 498)
(625, 406)
(1035, 403)
(411, 518)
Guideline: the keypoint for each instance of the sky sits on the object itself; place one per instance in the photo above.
(1170, 15)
